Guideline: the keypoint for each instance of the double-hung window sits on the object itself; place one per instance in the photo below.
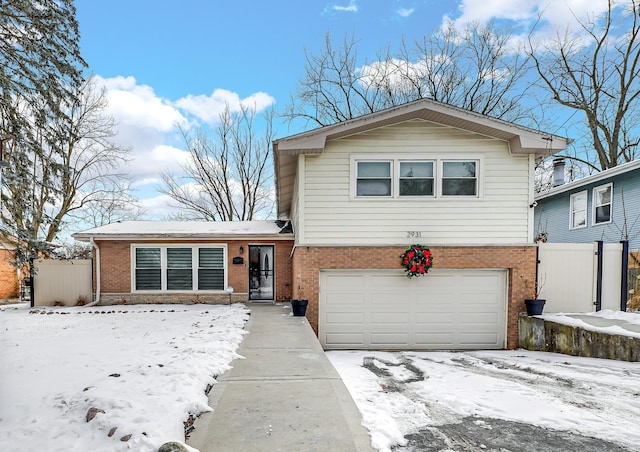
(188, 267)
(148, 269)
(459, 178)
(210, 269)
(373, 179)
(578, 208)
(602, 204)
(416, 178)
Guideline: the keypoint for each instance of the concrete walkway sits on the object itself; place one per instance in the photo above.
(285, 396)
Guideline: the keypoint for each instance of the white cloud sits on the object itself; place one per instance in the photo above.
(352, 8)
(208, 108)
(556, 16)
(150, 163)
(405, 12)
(138, 105)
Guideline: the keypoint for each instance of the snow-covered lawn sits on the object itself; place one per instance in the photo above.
(145, 366)
(405, 392)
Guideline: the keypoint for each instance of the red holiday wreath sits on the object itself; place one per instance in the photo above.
(417, 260)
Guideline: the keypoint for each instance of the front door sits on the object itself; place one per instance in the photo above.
(261, 271)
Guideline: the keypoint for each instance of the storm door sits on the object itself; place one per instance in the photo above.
(261, 271)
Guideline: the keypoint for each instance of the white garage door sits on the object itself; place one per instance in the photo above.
(383, 309)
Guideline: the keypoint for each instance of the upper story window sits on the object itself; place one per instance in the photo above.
(578, 207)
(403, 177)
(459, 178)
(172, 268)
(373, 179)
(416, 179)
(602, 204)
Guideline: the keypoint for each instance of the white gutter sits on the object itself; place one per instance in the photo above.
(97, 248)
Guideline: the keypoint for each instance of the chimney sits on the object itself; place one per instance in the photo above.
(558, 172)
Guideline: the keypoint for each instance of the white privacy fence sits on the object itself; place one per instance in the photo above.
(62, 282)
(568, 274)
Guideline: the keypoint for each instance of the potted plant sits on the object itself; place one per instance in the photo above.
(536, 304)
(299, 306)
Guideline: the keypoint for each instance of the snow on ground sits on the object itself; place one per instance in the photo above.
(400, 393)
(146, 366)
(605, 321)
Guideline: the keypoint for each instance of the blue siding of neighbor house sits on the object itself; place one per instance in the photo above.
(552, 214)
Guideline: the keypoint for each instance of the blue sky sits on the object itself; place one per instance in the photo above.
(165, 63)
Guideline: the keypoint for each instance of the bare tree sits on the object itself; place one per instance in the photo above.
(596, 73)
(475, 69)
(75, 168)
(226, 178)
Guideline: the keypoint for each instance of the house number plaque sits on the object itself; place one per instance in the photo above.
(414, 234)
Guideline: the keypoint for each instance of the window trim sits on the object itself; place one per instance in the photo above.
(163, 266)
(572, 210)
(436, 159)
(594, 192)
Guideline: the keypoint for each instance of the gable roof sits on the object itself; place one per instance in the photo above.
(601, 176)
(522, 140)
(131, 230)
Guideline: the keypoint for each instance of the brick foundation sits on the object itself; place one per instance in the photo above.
(520, 261)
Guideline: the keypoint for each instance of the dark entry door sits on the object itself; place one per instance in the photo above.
(261, 272)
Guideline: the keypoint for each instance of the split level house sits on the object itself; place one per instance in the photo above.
(351, 198)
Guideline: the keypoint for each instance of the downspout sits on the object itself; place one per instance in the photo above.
(97, 248)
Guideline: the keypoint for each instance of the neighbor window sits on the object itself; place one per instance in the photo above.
(459, 178)
(578, 206)
(602, 204)
(416, 179)
(373, 179)
(172, 267)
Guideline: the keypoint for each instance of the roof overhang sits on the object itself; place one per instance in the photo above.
(521, 140)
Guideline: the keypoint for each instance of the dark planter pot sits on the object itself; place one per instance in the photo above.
(299, 307)
(534, 306)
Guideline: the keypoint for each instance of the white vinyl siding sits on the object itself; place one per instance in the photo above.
(333, 215)
(578, 210)
(602, 204)
(171, 268)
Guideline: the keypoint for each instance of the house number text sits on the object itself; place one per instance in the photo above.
(414, 234)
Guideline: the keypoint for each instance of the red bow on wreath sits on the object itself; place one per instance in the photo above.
(417, 260)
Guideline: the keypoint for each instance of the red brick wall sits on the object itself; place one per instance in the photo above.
(520, 261)
(9, 287)
(115, 261)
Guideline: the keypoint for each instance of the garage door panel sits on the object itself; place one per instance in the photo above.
(346, 340)
(447, 309)
(345, 317)
(433, 340)
(385, 339)
(381, 318)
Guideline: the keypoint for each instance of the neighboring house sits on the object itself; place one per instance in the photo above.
(604, 206)
(182, 262)
(9, 286)
(359, 192)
